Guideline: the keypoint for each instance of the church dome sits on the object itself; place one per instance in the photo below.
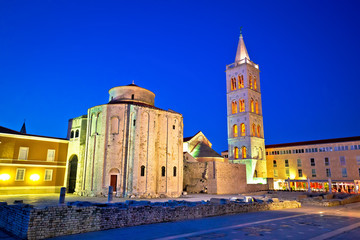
(131, 93)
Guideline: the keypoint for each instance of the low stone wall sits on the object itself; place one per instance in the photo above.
(64, 220)
(15, 218)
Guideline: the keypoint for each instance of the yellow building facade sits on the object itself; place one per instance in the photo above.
(31, 163)
(321, 162)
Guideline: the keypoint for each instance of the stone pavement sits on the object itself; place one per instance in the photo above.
(308, 222)
(317, 223)
(41, 200)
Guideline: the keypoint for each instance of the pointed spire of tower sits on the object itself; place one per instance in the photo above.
(241, 52)
(23, 128)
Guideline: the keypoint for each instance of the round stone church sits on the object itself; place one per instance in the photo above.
(128, 144)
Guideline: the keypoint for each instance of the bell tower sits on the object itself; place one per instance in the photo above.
(246, 143)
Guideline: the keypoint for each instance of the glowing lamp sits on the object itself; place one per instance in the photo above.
(34, 177)
(4, 177)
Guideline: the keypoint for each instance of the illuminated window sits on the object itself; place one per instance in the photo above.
(256, 107)
(20, 174)
(77, 133)
(242, 105)
(23, 153)
(174, 171)
(252, 105)
(258, 130)
(275, 173)
(234, 107)
(287, 172)
(142, 172)
(50, 155)
(274, 163)
(250, 82)
(233, 83)
(243, 152)
(48, 175)
(114, 125)
(241, 81)
(253, 130)
(255, 85)
(242, 126)
(163, 171)
(235, 130)
(236, 152)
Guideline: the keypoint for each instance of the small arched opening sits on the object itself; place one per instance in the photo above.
(73, 162)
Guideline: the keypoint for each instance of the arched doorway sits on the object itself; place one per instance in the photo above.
(114, 173)
(72, 173)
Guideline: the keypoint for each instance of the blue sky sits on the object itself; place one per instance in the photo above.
(59, 58)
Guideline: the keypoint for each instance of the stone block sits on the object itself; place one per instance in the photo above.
(300, 197)
(275, 200)
(329, 196)
(219, 201)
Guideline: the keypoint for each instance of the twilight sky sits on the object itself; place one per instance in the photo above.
(59, 58)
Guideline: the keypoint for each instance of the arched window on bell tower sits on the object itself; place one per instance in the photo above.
(241, 81)
(236, 152)
(243, 131)
(234, 107)
(253, 130)
(258, 130)
(242, 105)
(252, 105)
(243, 152)
(235, 130)
(256, 107)
(255, 84)
(233, 84)
(250, 82)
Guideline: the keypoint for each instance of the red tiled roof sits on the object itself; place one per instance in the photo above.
(323, 141)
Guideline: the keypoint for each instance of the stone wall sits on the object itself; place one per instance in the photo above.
(15, 218)
(31, 223)
(218, 178)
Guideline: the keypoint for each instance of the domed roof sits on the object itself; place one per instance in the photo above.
(133, 93)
